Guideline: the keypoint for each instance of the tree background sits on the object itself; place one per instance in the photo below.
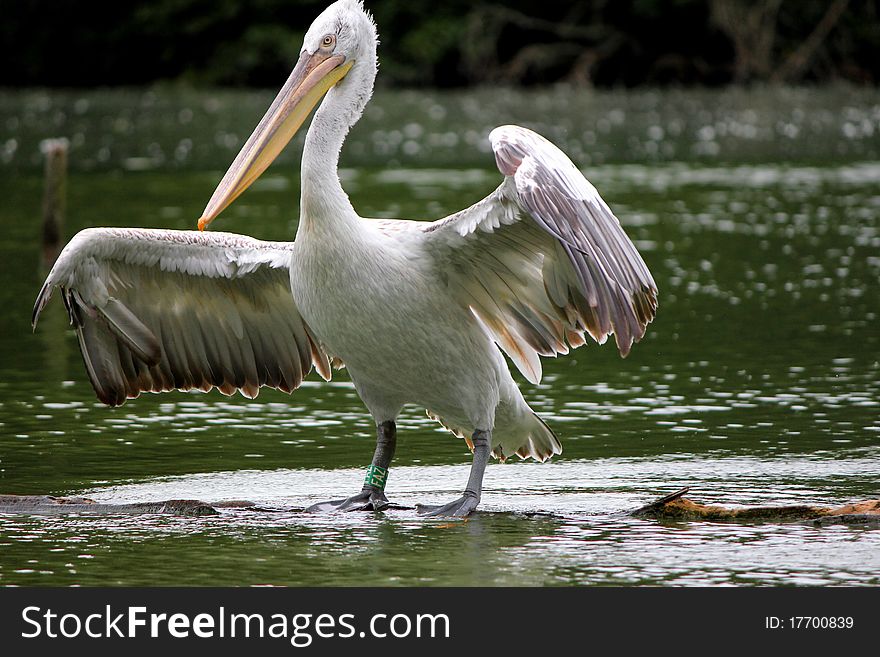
(604, 43)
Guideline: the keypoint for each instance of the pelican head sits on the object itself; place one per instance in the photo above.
(338, 52)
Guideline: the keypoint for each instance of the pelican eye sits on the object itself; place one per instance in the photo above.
(328, 41)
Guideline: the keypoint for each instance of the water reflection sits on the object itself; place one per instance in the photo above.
(138, 130)
(564, 523)
(759, 382)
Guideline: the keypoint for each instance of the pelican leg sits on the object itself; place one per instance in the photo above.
(372, 497)
(465, 504)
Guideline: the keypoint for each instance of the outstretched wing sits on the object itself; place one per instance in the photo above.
(543, 260)
(159, 310)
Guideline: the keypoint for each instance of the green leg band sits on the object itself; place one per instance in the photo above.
(376, 477)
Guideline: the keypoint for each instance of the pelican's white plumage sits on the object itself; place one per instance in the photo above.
(159, 310)
(413, 309)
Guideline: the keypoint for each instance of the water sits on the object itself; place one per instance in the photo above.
(179, 128)
(759, 382)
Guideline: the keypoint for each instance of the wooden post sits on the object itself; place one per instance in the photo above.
(54, 197)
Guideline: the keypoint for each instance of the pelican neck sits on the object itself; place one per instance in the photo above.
(323, 203)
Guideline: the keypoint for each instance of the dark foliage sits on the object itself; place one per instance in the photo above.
(81, 43)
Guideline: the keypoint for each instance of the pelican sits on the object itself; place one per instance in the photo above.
(420, 313)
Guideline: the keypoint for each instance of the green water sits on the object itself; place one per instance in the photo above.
(758, 383)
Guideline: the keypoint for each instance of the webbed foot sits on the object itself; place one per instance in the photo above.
(459, 508)
(367, 500)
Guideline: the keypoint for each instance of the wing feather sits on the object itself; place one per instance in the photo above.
(160, 310)
(543, 260)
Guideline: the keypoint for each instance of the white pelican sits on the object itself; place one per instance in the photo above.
(418, 312)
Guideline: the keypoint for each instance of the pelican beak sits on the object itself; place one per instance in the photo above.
(312, 77)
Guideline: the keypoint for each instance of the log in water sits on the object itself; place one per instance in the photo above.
(670, 507)
(677, 507)
(54, 198)
(49, 505)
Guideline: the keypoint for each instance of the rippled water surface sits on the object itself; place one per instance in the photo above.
(759, 382)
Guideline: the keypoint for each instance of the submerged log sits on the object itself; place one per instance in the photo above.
(677, 507)
(49, 505)
(867, 520)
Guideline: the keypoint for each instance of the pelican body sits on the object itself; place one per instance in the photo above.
(419, 313)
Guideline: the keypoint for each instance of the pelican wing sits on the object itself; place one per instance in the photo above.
(159, 310)
(542, 260)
